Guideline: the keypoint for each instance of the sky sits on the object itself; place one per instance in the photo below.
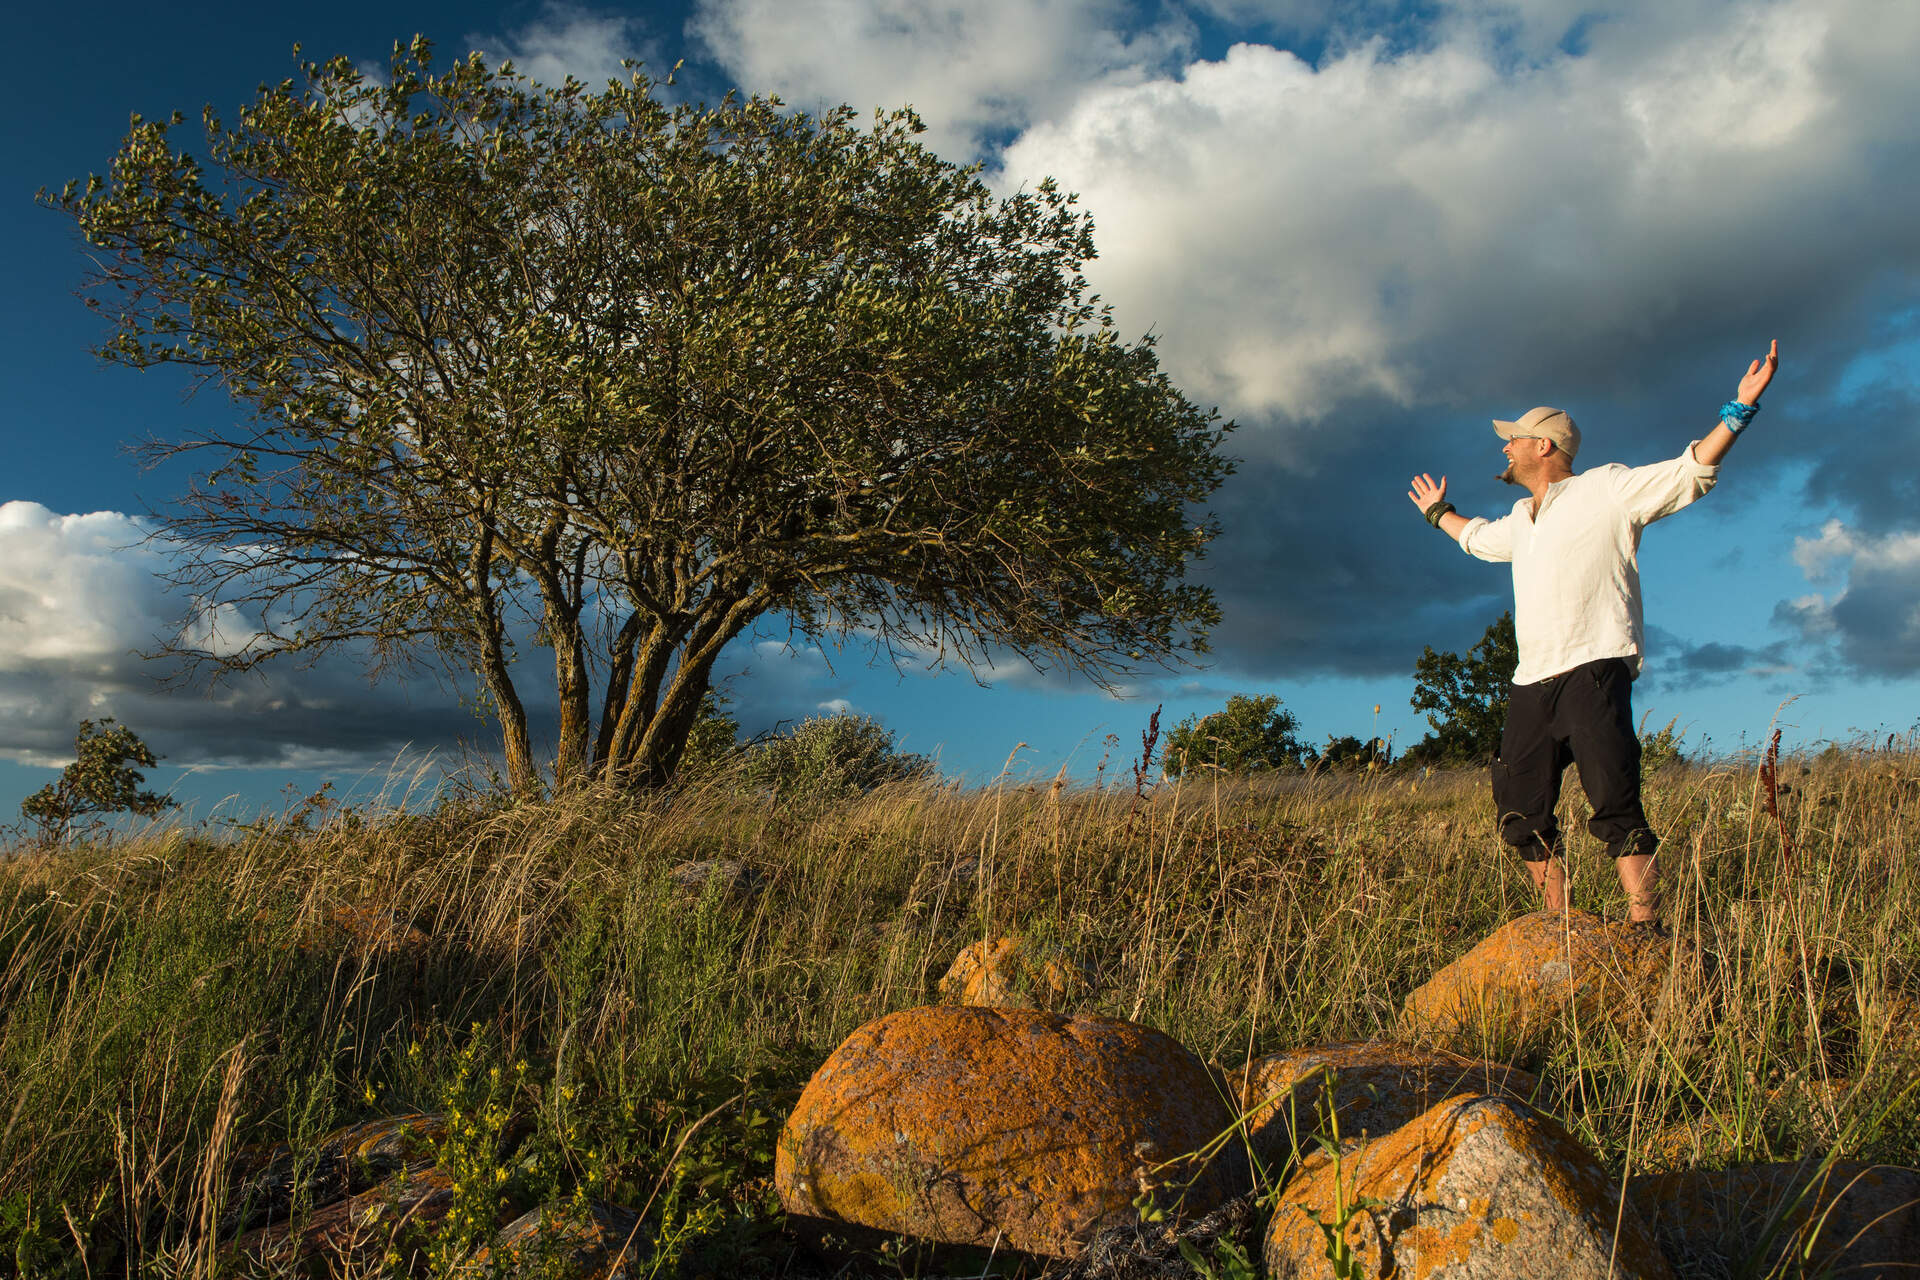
(1361, 230)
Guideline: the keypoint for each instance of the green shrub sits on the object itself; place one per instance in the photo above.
(832, 755)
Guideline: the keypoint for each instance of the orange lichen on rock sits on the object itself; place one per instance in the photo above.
(1851, 1219)
(1004, 973)
(1379, 1086)
(1478, 1186)
(1524, 976)
(1029, 1130)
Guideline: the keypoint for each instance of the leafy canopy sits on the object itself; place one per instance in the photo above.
(1465, 698)
(1248, 735)
(105, 778)
(617, 377)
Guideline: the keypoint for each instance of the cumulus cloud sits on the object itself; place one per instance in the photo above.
(570, 40)
(1873, 620)
(974, 69)
(81, 598)
(1443, 226)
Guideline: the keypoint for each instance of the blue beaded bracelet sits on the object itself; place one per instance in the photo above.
(1735, 416)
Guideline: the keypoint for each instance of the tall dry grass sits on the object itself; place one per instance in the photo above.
(169, 998)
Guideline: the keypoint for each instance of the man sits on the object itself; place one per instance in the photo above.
(1576, 595)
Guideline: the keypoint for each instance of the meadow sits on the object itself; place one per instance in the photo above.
(174, 999)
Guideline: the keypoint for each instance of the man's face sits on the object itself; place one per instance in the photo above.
(1524, 457)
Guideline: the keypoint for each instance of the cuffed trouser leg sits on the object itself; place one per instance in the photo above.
(1526, 774)
(1605, 746)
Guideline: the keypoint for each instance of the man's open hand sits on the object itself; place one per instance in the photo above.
(1759, 374)
(1425, 492)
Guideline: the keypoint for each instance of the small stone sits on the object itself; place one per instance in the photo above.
(595, 1242)
(726, 876)
(1005, 973)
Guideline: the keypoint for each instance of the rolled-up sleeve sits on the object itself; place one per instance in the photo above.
(1488, 539)
(1662, 488)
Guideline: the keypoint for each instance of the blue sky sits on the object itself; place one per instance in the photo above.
(1361, 230)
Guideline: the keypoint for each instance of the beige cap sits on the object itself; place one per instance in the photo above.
(1547, 424)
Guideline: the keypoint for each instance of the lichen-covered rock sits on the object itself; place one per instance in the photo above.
(1012, 1128)
(1524, 976)
(1475, 1187)
(355, 1230)
(1005, 973)
(1379, 1086)
(264, 1181)
(1855, 1220)
(590, 1242)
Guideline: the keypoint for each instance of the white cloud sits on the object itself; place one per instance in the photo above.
(82, 596)
(1435, 227)
(1874, 619)
(972, 68)
(568, 40)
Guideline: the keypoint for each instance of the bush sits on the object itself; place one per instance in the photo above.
(1247, 736)
(832, 755)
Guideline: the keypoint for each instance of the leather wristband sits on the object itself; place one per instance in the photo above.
(1436, 511)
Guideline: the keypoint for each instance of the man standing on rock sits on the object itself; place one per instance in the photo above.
(1577, 616)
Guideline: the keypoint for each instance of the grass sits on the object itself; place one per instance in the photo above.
(169, 999)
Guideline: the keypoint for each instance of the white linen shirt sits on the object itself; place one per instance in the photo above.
(1576, 570)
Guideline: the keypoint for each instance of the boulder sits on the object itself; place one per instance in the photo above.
(1514, 987)
(1006, 973)
(1005, 1129)
(1378, 1087)
(590, 1242)
(1853, 1219)
(1476, 1187)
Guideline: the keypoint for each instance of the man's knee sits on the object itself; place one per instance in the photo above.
(1533, 838)
(1638, 842)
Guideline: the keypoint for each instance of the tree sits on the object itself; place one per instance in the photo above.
(104, 778)
(621, 377)
(1466, 698)
(1247, 735)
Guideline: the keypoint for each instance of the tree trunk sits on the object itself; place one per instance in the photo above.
(619, 684)
(522, 777)
(574, 689)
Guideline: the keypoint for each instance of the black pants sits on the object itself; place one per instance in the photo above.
(1583, 716)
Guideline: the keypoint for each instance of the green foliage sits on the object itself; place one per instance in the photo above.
(1660, 748)
(521, 351)
(832, 756)
(713, 740)
(106, 778)
(1347, 753)
(1248, 735)
(1465, 698)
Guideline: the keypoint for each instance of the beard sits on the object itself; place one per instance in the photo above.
(1507, 477)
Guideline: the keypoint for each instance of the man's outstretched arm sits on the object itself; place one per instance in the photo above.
(1425, 495)
(1710, 451)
